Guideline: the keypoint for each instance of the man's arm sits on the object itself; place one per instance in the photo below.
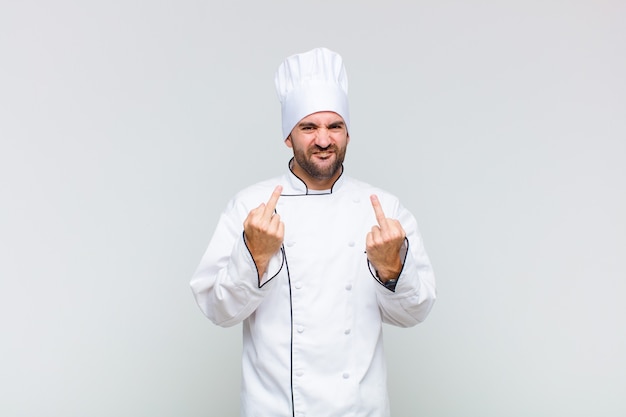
(228, 285)
(408, 300)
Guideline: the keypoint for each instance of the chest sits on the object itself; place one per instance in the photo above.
(326, 224)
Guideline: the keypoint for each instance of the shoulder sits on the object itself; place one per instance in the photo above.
(365, 188)
(254, 194)
(390, 202)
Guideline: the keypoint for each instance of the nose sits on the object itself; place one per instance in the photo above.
(322, 139)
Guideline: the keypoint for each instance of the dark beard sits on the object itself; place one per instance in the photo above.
(315, 171)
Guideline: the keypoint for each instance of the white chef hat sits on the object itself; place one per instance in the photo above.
(310, 82)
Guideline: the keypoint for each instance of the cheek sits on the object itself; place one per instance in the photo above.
(302, 144)
(342, 142)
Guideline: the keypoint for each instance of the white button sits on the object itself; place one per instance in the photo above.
(300, 329)
(298, 285)
(291, 243)
(347, 331)
(300, 373)
(356, 200)
(351, 243)
(346, 375)
(349, 287)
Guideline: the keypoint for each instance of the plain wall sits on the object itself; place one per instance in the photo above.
(125, 126)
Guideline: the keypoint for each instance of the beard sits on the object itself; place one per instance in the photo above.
(320, 170)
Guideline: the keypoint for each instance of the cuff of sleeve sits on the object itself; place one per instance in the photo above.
(391, 283)
(274, 267)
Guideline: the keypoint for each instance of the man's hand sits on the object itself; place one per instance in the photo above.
(383, 244)
(264, 232)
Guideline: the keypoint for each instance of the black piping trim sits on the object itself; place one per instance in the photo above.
(282, 250)
(293, 406)
(374, 273)
(286, 264)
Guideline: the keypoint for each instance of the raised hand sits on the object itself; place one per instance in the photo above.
(264, 232)
(383, 244)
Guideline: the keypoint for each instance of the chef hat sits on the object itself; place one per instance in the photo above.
(310, 82)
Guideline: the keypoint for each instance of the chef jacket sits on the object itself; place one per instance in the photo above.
(312, 325)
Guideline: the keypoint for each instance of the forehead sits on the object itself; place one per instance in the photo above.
(322, 118)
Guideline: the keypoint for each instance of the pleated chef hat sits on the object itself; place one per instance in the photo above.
(310, 82)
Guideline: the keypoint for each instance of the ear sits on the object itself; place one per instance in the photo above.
(288, 142)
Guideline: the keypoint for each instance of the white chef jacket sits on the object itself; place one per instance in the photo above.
(312, 325)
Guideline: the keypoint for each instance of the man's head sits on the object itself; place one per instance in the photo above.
(313, 92)
(319, 143)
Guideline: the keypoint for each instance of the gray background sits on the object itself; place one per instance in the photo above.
(127, 125)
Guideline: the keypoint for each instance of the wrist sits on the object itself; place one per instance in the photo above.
(388, 274)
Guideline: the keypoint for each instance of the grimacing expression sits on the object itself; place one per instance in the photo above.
(319, 143)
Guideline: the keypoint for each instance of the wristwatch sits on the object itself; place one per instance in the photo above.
(391, 284)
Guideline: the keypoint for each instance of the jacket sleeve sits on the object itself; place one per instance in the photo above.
(226, 284)
(415, 293)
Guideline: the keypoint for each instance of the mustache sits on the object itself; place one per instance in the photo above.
(331, 147)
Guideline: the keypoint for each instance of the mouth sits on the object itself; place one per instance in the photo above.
(323, 154)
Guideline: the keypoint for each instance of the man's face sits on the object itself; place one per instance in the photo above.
(319, 143)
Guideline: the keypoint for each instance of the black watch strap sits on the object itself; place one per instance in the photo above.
(391, 284)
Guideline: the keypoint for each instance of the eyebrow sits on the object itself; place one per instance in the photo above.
(337, 123)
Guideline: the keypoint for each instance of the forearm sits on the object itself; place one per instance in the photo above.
(411, 299)
(226, 284)
(226, 287)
